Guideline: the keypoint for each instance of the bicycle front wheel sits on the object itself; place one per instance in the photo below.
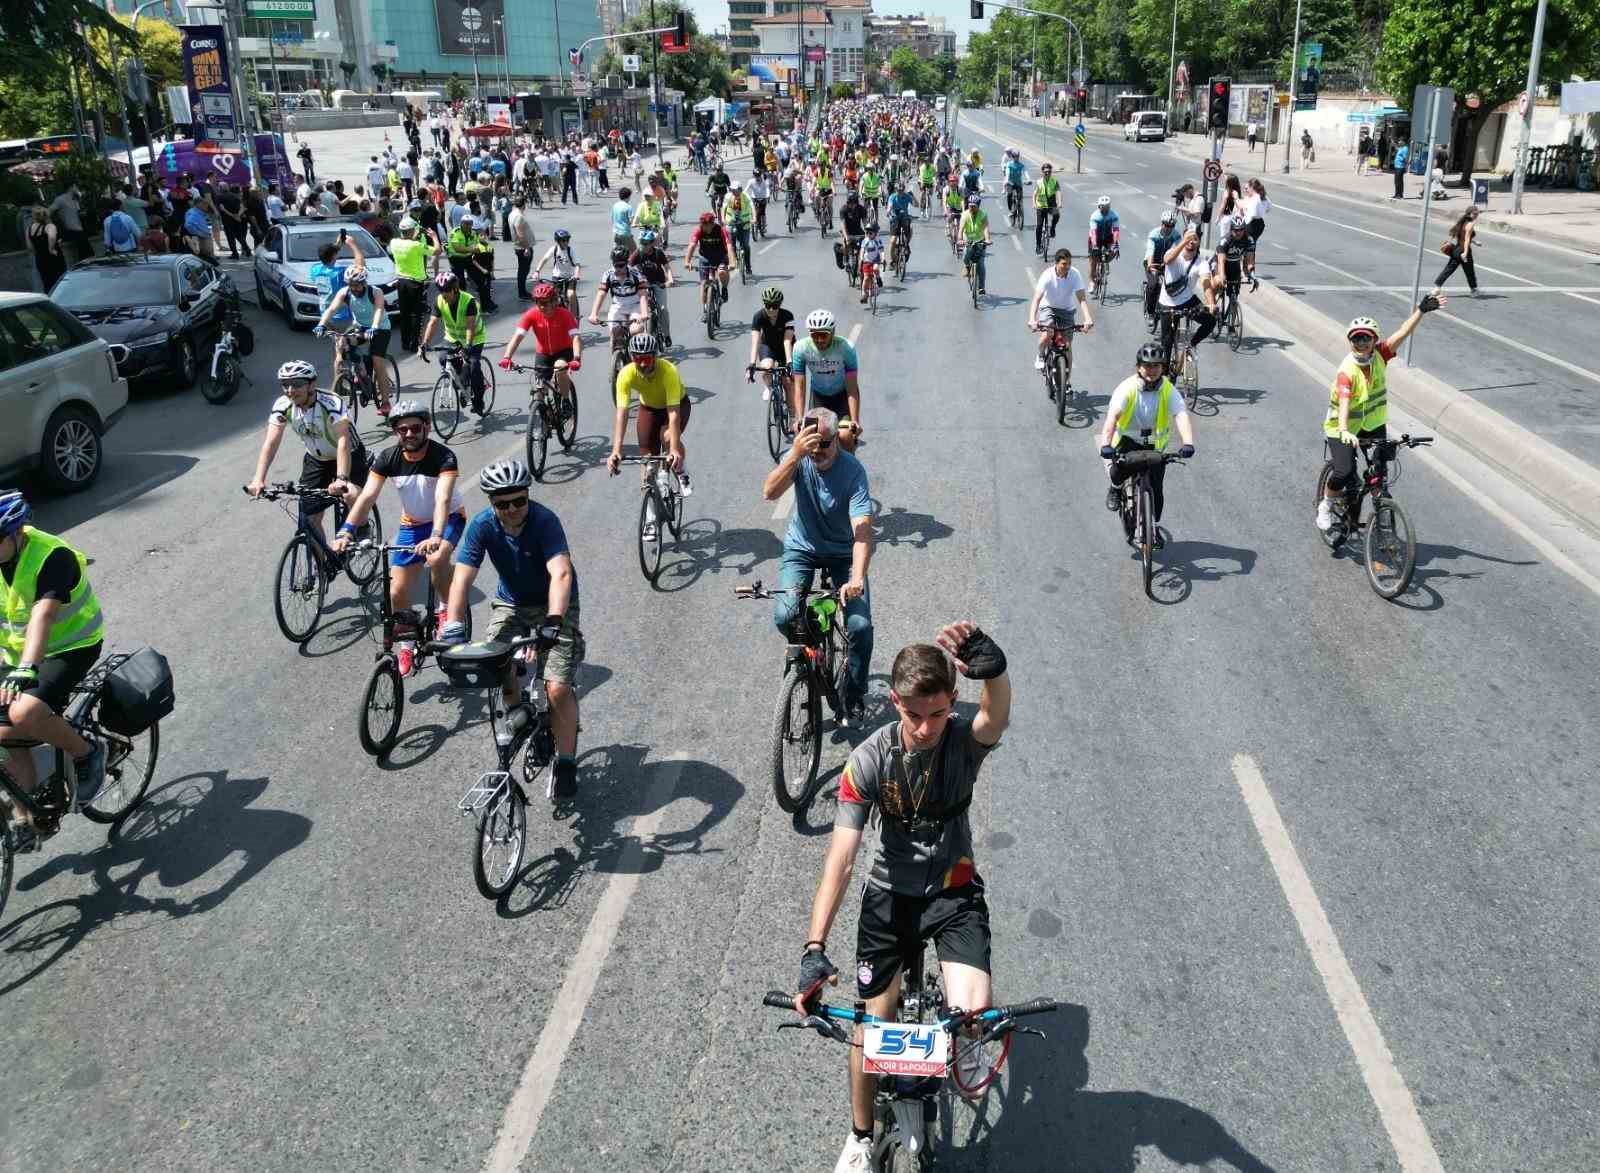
(382, 705)
(502, 839)
(1059, 366)
(302, 590)
(362, 565)
(651, 523)
(222, 386)
(1189, 378)
(566, 412)
(1235, 325)
(796, 741)
(775, 422)
(1391, 551)
(486, 371)
(130, 764)
(536, 443)
(446, 407)
(389, 362)
(1147, 535)
(345, 391)
(1333, 536)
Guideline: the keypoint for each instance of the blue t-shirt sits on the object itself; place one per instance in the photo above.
(827, 368)
(1103, 224)
(458, 213)
(825, 503)
(900, 204)
(329, 279)
(621, 218)
(195, 223)
(521, 561)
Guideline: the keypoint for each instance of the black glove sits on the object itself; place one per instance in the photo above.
(1186, 451)
(815, 970)
(20, 679)
(982, 656)
(549, 632)
(1107, 452)
(1428, 304)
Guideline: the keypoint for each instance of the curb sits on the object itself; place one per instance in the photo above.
(1561, 478)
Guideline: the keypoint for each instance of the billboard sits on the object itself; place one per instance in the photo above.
(205, 68)
(467, 27)
(281, 9)
(1308, 76)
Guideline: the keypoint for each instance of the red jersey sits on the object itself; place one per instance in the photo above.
(552, 332)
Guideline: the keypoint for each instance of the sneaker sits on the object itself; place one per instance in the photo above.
(863, 299)
(1038, 363)
(91, 771)
(564, 779)
(440, 615)
(684, 488)
(1114, 498)
(856, 1157)
(973, 1068)
(477, 406)
(405, 658)
(1324, 515)
(855, 713)
(1159, 541)
(1476, 293)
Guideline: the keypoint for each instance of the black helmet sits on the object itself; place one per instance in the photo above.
(619, 255)
(1150, 352)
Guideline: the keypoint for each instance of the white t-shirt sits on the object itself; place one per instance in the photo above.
(1181, 270)
(275, 208)
(1256, 207)
(1144, 408)
(375, 178)
(1060, 293)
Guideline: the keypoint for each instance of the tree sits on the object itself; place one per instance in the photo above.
(380, 71)
(841, 90)
(911, 72)
(1481, 48)
(348, 68)
(32, 30)
(700, 73)
(455, 90)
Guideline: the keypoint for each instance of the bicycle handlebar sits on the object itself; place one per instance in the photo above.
(778, 1000)
(756, 590)
(289, 489)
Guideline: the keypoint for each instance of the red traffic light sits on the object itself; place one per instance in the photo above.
(1219, 88)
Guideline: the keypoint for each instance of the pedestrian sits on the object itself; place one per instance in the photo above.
(275, 209)
(1362, 152)
(304, 155)
(435, 125)
(522, 242)
(67, 211)
(1232, 200)
(136, 206)
(1308, 150)
(231, 206)
(1251, 130)
(408, 177)
(1458, 247)
(1256, 207)
(197, 232)
(569, 176)
(1402, 156)
(119, 233)
(45, 240)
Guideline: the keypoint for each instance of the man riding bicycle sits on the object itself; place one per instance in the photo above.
(739, 214)
(652, 261)
(971, 179)
(900, 205)
(1236, 255)
(852, 227)
(1016, 178)
(663, 412)
(1059, 288)
(1105, 233)
(759, 191)
(1143, 410)
(54, 630)
(717, 186)
(711, 244)
(831, 366)
(1186, 288)
(630, 299)
(918, 776)
(358, 301)
(1162, 237)
(926, 178)
(974, 230)
(555, 339)
(1046, 206)
(872, 191)
(335, 458)
(771, 332)
(463, 327)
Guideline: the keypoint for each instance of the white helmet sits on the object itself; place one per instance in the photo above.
(297, 371)
(1011, 153)
(820, 320)
(1103, 203)
(503, 475)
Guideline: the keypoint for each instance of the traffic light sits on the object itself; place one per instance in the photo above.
(1083, 100)
(977, 9)
(681, 33)
(1221, 95)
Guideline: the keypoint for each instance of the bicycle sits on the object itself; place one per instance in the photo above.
(357, 385)
(566, 291)
(792, 209)
(761, 219)
(1183, 364)
(952, 222)
(130, 764)
(776, 395)
(852, 261)
(308, 564)
(1101, 258)
(823, 205)
(661, 503)
(1014, 212)
(899, 253)
(814, 669)
(1137, 510)
(549, 413)
(1390, 544)
(1230, 316)
(1058, 358)
(452, 390)
(741, 254)
(913, 1055)
(498, 799)
(220, 380)
(978, 248)
(872, 285)
(1044, 231)
(711, 307)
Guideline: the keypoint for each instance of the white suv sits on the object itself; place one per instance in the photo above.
(59, 392)
(1145, 124)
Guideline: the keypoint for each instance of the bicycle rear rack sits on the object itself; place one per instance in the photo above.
(484, 791)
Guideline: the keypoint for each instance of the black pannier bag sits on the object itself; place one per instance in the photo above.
(138, 692)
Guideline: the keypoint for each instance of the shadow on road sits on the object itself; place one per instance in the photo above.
(899, 527)
(704, 547)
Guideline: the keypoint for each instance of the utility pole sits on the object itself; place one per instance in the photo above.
(1172, 66)
(1527, 116)
(655, 81)
(1427, 203)
(1294, 86)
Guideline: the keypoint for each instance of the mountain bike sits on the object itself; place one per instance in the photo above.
(1058, 357)
(661, 504)
(550, 413)
(498, 800)
(1137, 509)
(952, 224)
(823, 205)
(1101, 259)
(219, 382)
(926, 1042)
(899, 254)
(776, 395)
(814, 670)
(1014, 213)
(1390, 543)
(978, 249)
(130, 763)
(852, 261)
(308, 564)
(357, 386)
(1183, 364)
(711, 309)
(452, 390)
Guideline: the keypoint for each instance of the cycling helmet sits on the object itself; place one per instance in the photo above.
(1362, 326)
(1150, 352)
(974, 200)
(772, 295)
(297, 371)
(1046, 168)
(14, 512)
(1169, 216)
(445, 282)
(469, 223)
(562, 236)
(355, 275)
(735, 186)
(853, 198)
(407, 224)
(619, 255)
(1237, 224)
(708, 218)
(1011, 153)
(504, 475)
(643, 344)
(1103, 203)
(409, 409)
(872, 230)
(820, 321)
(648, 236)
(543, 291)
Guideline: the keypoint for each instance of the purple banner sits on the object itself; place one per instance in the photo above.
(205, 68)
(204, 161)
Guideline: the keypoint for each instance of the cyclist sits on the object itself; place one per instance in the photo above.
(926, 179)
(1358, 399)
(555, 337)
(709, 241)
(537, 595)
(771, 333)
(852, 218)
(822, 188)
(366, 308)
(918, 775)
(971, 179)
(335, 458)
(830, 364)
(622, 220)
(328, 276)
(432, 516)
(900, 205)
(1144, 409)
(1236, 255)
(1059, 287)
(871, 261)
(669, 186)
(564, 267)
(463, 327)
(1046, 206)
(1016, 178)
(663, 411)
(1186, 288)
(759, 191)
(653, 262)
(738, 213)
(954, 203)
(1105, 232)
(647, 216)
(717, 186)
(1162, 237)
(630, 299)
(872, 190)
(465, 251)
(53, 633)
(830, 529)
(974, 230)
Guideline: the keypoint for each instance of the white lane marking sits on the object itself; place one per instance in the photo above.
(1385, 1084)
(1016, 242)
(785, 503)
(1407, 244)
(767, 248)
(1579, 296)
(855, 332)
(1576, 291)
(522, 1115)
(1364, 283)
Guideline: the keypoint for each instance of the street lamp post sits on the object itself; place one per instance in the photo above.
(1294, 84)
(1527, 116)
(1172, 67)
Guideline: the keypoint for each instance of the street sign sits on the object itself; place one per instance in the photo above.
(631, 63)
(1078, 139)
(1421, 103)
(1078, 130)
(581, 86)
(1213, 171)
(292, 36)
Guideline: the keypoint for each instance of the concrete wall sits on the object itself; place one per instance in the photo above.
(338, 120)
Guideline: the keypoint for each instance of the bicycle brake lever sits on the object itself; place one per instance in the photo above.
(1029, 1030)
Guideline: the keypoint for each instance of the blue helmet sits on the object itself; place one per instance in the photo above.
(14, 512)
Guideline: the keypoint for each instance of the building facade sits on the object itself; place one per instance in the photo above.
(926, 36)
(837, 27)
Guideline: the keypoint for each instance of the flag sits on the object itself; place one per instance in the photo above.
(575, 56)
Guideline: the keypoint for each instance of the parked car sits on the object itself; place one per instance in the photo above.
(59, 392)
(164, 311)
(283, 266)
(1145, 125)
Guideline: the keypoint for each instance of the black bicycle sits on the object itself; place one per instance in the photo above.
(498, 800)
(779, 433)
(550, 413)
(309, 565)
(1183, 364)
(1014, 212)
(1100, 262)
(130, 763)
(1137, 507)
(1058, 357)
(814, 670)
(822, 205)
(452, 390)
(1044, 231)
(711, 307)
(660, 508)
(793, 206)
(912, 1056)
(975, 254)
(1390, 544)
(900, 253)
(357, 385)
(1230, 316)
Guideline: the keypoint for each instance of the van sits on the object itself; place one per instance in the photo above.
(1143, 125)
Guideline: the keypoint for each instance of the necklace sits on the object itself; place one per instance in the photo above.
(919, 794)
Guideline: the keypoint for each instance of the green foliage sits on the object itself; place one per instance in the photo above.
(702, 72)
(455, 89)
(32, 30)
(910, 72)
(37, 99)
(841, 90)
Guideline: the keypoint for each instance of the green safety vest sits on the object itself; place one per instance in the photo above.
(78, 623)
(459, 246)
(974, 225)
(871, 185)
(410, 257)
(1045, 192)
(1369, 396)
(1159, 434)
(455, 322)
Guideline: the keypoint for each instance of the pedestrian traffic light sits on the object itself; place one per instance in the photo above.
(1083, 100)
(1221, 96)
(977, 9)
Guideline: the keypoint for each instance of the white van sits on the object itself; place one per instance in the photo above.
(1145, 124)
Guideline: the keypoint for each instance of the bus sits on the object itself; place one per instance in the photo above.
(44, 147)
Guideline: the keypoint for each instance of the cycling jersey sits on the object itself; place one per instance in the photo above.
(712, 246)
(1159, 243)
(828, 368)
(364, 309)
(626, 289)
(317, 424)
(417, 480)
(1232, 249)
(661, 388)
(552, 332)
(926, 175)
(971, 178)
(872, 251)
(653, 264)
(1103, 227)
(1015, 172)
(900, 205)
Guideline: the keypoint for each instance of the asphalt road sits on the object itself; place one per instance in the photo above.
(1315, 872)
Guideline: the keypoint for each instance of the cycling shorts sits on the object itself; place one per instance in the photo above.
(545, 363)
(412, 532)
(893, 927)
(708, 267)
(376, 345)
(319, 474)
(58, 675)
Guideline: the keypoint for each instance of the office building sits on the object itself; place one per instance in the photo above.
(837, 26)
(926, 36)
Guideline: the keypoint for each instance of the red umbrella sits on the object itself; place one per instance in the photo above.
(489, 130)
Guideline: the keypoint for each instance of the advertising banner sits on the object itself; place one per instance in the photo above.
(205, 161)
(466, 26)
(205, 68)
(1308, 76)
(281, 9)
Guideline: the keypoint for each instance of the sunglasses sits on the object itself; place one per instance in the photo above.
(824, 445)
(295, 384)
(509, 504)
(1363, 339)
(410, 429)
